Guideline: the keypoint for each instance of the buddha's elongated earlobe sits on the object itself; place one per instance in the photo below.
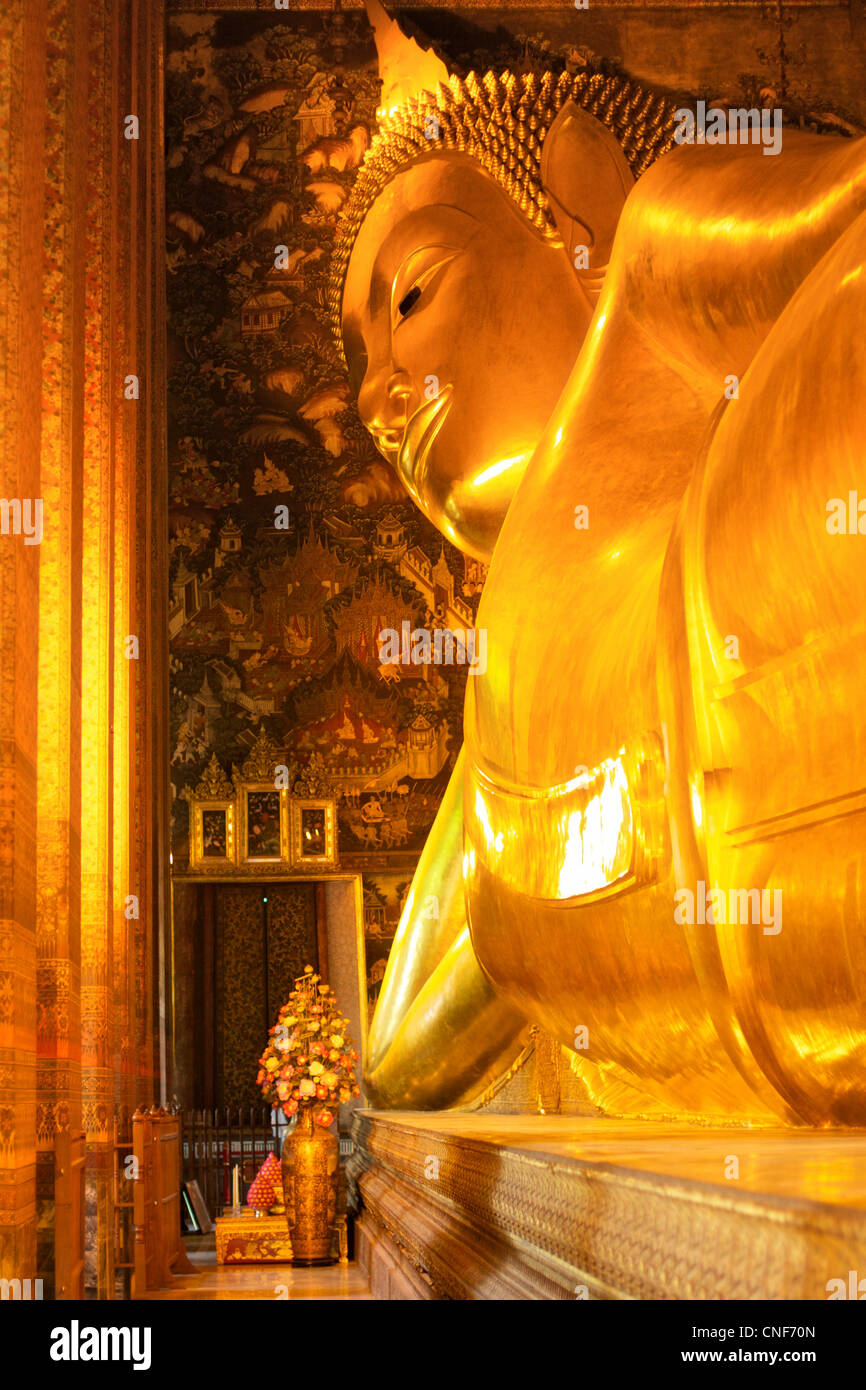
(586, 178)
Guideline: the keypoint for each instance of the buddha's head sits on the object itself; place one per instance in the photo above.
(467, 265)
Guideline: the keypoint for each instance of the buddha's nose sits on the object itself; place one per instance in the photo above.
(384, 410)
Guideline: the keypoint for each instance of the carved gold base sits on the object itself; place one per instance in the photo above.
(462, 1206)
(252, 1240)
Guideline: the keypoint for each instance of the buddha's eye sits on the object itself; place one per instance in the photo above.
(421, 272)
(408, 302)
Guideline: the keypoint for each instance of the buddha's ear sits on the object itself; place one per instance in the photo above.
(586, 178)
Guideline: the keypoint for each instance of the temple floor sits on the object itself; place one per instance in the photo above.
(264, 1281)
(468, 1206)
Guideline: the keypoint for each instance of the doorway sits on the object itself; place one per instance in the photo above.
(238, 947)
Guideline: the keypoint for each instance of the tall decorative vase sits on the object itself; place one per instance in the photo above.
(310, 1161)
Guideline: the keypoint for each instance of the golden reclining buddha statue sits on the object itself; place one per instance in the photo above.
(629, 373)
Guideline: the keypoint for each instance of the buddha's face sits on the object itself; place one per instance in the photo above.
(460, 324)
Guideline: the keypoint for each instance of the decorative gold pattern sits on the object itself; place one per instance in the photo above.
(214, 785)
(260, 773)
(313, 863)
(489, 1095)
(292, 940)
(248, 860)
(201, 841)
(509, 1222)
(262, 762)
(252, 1240)
(310, 1181)
(80, 309)
(259, 951)
(313, 780)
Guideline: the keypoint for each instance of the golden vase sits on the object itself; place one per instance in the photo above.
(310, 1161)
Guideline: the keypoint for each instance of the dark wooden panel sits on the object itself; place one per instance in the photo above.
(264, 936)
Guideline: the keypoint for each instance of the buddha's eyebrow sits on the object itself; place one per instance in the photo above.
(399, 243)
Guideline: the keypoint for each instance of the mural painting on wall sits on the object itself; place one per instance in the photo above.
(384, 898)
(293, 544)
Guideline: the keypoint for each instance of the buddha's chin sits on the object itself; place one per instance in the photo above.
(429, 463)
(472, 529)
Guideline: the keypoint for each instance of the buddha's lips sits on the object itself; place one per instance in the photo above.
(418, 436)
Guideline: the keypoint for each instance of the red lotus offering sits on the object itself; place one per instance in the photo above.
(261, 1194)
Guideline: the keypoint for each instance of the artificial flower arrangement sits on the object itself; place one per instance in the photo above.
(309, 1059)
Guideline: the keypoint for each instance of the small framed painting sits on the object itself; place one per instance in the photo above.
(195, 1213)
(265, 833)
(314, 839)
(212, 842)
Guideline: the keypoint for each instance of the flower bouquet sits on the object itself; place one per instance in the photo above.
(308, 1069)
(309, 1059)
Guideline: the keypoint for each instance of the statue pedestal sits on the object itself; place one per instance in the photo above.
(481, 1206)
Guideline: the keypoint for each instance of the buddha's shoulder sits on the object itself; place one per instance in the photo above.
(698, 189)
(735, 231)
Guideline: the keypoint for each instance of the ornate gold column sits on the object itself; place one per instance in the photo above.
(82, 723)
(151, 791)
(102, 647)
(58, 867)
(124, 576)
(23, 36)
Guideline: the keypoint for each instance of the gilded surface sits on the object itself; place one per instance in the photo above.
(250, 1239)
(679, 714)
(525, 1208)
(214, 784)
(310, 1164)
(77, 805)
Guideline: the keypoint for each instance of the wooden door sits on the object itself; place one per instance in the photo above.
(69, 1206)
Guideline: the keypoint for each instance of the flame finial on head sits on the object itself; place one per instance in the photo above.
(500, 120)
(406, 69)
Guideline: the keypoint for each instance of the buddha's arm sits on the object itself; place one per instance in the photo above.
(439, 1035)
(773, 597)
(582, 667)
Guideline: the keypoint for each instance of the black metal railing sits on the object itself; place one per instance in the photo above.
(215, 1140)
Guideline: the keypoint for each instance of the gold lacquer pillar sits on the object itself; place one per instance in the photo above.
(148, 561)
(82, 711)
(124, 419)
(99, 643)
(22, 135)
(59, 629)
(125, 572)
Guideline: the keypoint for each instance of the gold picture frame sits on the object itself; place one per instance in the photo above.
(314, 833)
(212, 822)
(212, 842)
(263, 817)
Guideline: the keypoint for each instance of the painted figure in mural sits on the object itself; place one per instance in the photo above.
(630, 372)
